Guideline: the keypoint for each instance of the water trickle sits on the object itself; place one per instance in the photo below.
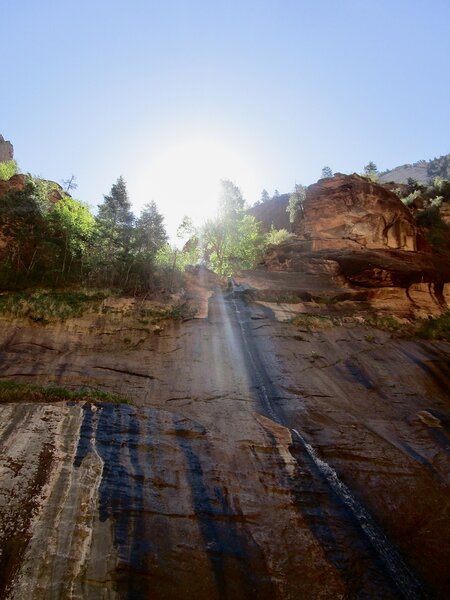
(403, 578)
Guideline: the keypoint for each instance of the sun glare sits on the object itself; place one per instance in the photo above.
(185, 180)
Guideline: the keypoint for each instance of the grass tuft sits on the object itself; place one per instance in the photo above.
(314, 322)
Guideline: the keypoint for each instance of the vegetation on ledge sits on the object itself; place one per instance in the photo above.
(45, 306)
(10, 391)
(436, 328)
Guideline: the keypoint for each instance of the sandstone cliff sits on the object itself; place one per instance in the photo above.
(354, 252)
(348, 211)
(272, 212)
(6, 150)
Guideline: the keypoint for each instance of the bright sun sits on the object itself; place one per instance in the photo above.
(185, 180)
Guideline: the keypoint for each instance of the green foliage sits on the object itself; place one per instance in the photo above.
(231, 201)
(277, 236)
(186, 228)
(439, 167)
(54, 241)
(296, 200)
(264, 196)
(114, 234)
(150, 232)
(10, 391)
(233, 240)
(429, 218)
(436, 328)
(411, 198)
(437, 231)
(8, 168)
(72, 226)
(442, 188)
(371, 171)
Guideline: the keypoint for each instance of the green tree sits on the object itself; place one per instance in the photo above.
(149, 238)
(232, 240)
(115, 233)
(231, 201)
(327, 172)
(72, 227)
(150, 231)
(371, 170)
(265, 196)
(296, 200)
(186, 228)
(276, 194)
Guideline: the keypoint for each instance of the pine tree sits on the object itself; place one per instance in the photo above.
(371, 169)
(327, 172)
(150, 231)
(115, 230)
(231, 201)
(265, 196)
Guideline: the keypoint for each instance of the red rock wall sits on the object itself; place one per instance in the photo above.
(350, 211)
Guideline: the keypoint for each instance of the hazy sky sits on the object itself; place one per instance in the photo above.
(174, 95)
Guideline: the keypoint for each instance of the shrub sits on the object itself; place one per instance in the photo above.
(277, 236)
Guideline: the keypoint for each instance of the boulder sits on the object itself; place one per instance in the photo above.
(349, 211)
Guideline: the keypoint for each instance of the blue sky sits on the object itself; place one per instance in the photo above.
(169, 94)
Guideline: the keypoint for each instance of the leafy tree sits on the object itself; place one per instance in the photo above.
(265, 196)
(72, 227)
(233, 239)
(327, 172)
(231, 244)
(8, 168)
(186, 228)
(296, 200)
(22, 224)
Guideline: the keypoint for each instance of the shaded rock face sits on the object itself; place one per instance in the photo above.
(347, 211)
(6, 150)
(273, 212)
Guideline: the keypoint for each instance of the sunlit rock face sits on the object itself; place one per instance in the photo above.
(6, 150)
(202, 490)
(348, 211)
